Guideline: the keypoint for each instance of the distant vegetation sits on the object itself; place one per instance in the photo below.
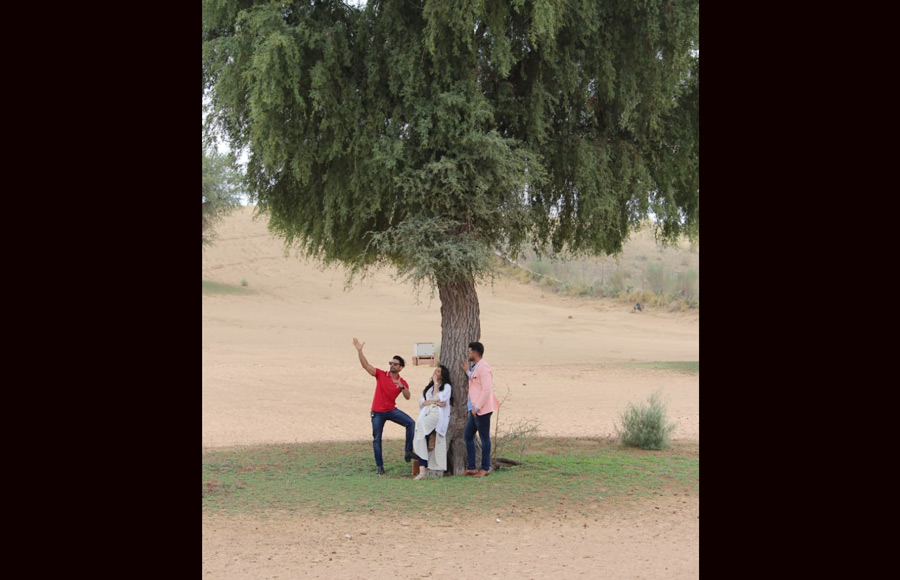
(645, 272)
(221, 190)
(689, 366)
(216, 288)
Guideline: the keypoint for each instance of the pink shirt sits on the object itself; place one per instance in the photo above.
(481, 389)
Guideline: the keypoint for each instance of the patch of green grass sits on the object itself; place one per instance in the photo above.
(216, 288)
(688, 366)
(339, 477)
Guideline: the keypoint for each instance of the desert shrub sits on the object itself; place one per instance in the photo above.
(522, 275)
(645, 297)
(684, 304)
(244, 282)
(510, 441)
(579, 289)
(655, 274)
(645, 426)
(617, 280)
(685, 283)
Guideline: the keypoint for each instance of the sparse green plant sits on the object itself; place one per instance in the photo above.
(244, 282)
(645, 426)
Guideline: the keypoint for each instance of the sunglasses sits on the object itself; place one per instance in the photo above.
(394, 364)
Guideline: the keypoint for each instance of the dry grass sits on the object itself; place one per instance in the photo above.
(664, 277)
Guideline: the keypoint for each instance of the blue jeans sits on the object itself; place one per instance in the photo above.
(481, 423)
(398, 417)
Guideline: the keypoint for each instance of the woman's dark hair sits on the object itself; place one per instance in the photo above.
(445, 379)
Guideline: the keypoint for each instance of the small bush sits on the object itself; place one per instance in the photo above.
(512, 440)
(244, 282)
(645, 426)
(618, 280)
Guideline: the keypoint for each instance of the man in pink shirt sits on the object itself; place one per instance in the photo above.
(481, 405)
(387, 387)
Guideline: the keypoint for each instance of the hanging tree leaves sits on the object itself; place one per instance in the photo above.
(430, 135)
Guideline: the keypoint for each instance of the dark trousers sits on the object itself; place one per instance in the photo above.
(482, 424)
(397, 416)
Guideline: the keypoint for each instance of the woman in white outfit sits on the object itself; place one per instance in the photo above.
(430, 439)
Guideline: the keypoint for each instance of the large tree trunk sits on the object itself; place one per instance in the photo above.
(460, 325)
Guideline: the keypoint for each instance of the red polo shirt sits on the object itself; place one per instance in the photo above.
(385, 392)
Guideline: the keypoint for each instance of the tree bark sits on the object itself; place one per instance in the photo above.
(460, 325)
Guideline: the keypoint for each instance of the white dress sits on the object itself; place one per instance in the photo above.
(433, 418)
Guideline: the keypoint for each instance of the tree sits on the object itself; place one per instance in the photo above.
(221, 191)
(430, 135)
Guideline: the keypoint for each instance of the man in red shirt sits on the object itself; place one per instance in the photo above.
(387, 387)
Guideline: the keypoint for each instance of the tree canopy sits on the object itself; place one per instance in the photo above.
(431, 134)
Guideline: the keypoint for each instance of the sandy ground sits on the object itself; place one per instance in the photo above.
(279, 366)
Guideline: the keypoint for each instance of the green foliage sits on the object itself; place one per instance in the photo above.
(221, 190)
(244, 282)
(430, 134)
(645, 426)
(339, 477)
